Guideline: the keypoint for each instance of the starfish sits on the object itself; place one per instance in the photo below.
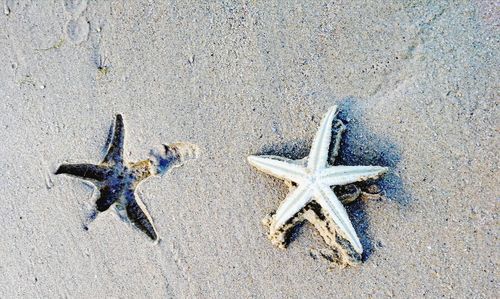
(117, 179)
(311, 196)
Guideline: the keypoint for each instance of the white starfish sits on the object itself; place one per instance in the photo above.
(314, 178)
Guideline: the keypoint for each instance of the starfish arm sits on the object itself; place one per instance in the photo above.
(139, 216)
(85, 171)
(294, 202)
(279, 167)
(115, 151)
(106, 198)
(342, 175)
(337, 131)
(319, 150)
(330, 203)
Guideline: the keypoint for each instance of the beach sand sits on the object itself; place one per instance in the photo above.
(417, 85)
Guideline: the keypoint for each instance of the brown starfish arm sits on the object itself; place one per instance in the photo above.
(115, 151)
(106, 198)
(138, 215)
(85, 171)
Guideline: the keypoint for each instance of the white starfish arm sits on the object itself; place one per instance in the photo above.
(321, 143)
(342, 175)
(330, 203)
(294, 202)
(279, 167)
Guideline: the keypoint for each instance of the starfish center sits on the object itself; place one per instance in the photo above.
(313, 178)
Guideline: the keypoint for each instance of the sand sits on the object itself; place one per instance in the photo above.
(417, 82)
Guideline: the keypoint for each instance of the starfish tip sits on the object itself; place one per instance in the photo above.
(156, 240)
(251, 159)
(58, 171)
(332, 109)
(384, 170)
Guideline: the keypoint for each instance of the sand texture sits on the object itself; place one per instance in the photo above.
(417, 86)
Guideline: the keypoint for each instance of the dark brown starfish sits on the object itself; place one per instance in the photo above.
(117, 180)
